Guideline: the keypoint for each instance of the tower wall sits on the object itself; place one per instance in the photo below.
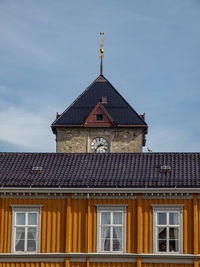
(78, 140)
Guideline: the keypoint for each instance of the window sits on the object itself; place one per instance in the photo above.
(99, 117)
(111, 234)
(165, 168)
(167, 229)
(104, 100)
(26, 229)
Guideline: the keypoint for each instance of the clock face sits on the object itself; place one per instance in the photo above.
(99, 145)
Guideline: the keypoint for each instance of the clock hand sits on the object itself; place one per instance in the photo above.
(98, 146)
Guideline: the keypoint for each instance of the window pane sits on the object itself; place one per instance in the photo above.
(173, 245)
(173, 233)
(162, 218)
(105, 232)
(31, 233)
(20, 218)
(32, 219)
(20, 233)
(19, 240)
(31, 245)
(105, 244)
(117, 245)
(105, 218)
(162, 232)
(117, 218)
(19, 245)
(117, 232)
(173, 218)
(162, 245)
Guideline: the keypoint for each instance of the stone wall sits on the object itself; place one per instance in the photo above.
(78, 140)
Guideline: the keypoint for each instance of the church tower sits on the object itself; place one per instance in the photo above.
(100, 120)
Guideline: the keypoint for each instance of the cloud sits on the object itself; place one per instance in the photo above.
(3, 89)
(172, 139)
(29, 130)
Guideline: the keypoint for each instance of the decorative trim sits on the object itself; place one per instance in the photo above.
(25, 191)
(24, 257)
(167, 207)
(111, 207)
(113, 259)
(167, 196)
(105, 196)
(31, 195)
(78, 259)
(45, 259)
(181, 261)
(25, 206)
(98, 257)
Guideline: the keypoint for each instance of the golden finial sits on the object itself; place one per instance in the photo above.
(101, 45)
(101, 52)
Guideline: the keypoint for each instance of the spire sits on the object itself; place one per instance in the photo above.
(101, 52)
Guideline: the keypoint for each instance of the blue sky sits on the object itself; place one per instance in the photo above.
(50, 53)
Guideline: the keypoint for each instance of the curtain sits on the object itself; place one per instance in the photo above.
(19, 241)
(117, 238)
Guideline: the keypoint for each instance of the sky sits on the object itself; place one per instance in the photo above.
(49, 54)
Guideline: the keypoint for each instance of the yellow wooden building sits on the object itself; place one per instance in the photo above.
(99, 201)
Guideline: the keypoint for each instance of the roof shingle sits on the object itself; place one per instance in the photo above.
(121, 112)
(121, 170)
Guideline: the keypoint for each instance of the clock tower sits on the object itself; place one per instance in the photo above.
(100, 120)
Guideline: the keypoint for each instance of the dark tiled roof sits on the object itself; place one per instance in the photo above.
(134, 170)
(121, 112)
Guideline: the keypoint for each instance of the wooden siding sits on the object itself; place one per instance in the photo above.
(32, 264)
(70, 225)
(166, 265)
(113, 264)
(52, 223)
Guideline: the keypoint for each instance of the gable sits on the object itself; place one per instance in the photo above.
(99, 117)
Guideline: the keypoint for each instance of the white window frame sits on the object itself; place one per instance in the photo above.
(26, 209)
(167, 209)
(111, 208)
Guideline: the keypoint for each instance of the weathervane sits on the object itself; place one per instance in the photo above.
(101, 52)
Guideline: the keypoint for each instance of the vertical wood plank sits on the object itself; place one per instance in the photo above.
(185, 228)
(67, 262)
(128, 227)
(2, 226)
(89, 226)
(145, 226)
(79, 224)
(48, 234)
(63, 224)
(58, 225)
(68, 225)
(139, 262)
(196, 262)
(195, 222)
(9, 229)
(139, 224)
(94, 232)
(5, 226)
(43, 227)
(150, 213)
(53, 227)
(74, 225)
(88, 262)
